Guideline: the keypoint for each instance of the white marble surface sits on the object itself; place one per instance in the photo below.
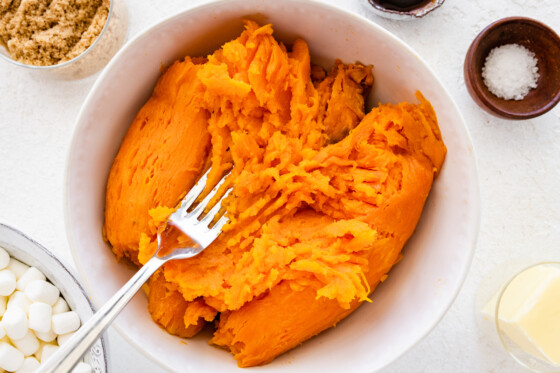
(518, 167)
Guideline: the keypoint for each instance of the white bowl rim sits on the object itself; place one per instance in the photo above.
(69, 272)
(359, 18)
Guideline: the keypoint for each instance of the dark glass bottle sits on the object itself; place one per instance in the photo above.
(401, 5)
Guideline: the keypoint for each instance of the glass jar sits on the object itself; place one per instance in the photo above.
(95, 57)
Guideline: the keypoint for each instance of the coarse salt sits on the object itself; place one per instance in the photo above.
(510, 71)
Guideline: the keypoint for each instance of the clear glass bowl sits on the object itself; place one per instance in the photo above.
(94, 58)
(523, 357)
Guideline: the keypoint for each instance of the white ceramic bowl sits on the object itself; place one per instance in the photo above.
(27, 251)
(419, 290)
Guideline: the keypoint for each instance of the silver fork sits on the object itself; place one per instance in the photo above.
(181, 222)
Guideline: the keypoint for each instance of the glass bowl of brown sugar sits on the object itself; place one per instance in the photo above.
(62, 39)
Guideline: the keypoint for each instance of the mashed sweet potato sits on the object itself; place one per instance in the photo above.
(324, 197)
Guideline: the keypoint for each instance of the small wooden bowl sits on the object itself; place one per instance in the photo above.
(536, 37)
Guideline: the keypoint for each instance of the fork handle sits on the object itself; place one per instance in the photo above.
(72, 351)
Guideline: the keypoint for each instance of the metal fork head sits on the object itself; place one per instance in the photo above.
(187, 233)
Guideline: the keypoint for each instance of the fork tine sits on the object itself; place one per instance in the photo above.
(205, 236)
(217, 228)
(193, 194)
(215, 210)
(199, 209)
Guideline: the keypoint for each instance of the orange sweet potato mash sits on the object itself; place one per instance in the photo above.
(324, 196)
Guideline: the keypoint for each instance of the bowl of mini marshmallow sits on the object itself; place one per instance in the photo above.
(42, 305)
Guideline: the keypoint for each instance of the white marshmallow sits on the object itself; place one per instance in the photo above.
(48, 351)
(28, 344)
(66, 322)
(39, 352)
(82, 367)
(63, 338)
(2, 331)
(42, 291)
(30, 365)
(40, 315)
(7, 282)
(11, 359)
(19, 299)
(60, 306)
(48, 336)
(17, 267)
(31, 274)
(15, 323)
(4, 258)
(3, 303)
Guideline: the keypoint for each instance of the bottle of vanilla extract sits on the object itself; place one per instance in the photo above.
(401, 5)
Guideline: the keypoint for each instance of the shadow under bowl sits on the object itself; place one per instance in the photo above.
(536, 37)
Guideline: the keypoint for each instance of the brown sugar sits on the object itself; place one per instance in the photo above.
(48, 32)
